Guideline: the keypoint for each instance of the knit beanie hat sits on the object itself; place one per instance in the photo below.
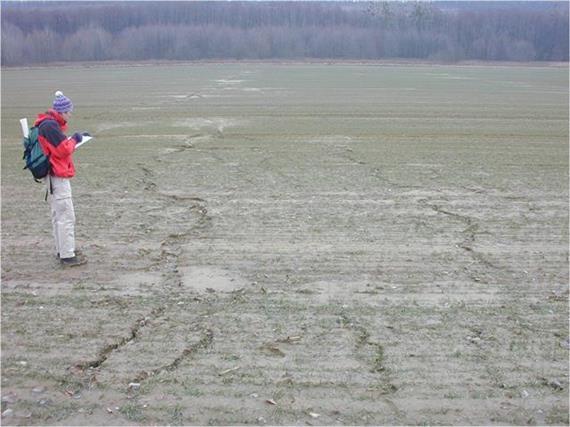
(62, 104)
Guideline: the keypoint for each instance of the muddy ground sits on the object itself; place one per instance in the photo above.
(293, 244)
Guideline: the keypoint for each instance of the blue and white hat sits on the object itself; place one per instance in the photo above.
(62, 104)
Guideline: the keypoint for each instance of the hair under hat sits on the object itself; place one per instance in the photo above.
(62, 104)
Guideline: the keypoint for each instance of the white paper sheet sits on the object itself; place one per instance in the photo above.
(83, 141)
(25, 128)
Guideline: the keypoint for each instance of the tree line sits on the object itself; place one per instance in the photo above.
(37, 33)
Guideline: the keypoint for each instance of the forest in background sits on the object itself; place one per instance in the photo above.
(44, 32)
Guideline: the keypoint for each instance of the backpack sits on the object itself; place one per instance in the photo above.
(36, 161)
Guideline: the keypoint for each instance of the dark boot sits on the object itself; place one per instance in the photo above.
(73, 261)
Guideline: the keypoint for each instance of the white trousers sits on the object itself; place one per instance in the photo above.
(62, 216)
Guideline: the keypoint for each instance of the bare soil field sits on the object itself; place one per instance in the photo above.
(292, 244)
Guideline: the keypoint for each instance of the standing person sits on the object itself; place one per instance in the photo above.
(59, 148)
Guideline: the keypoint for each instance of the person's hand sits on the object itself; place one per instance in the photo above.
(78, 137)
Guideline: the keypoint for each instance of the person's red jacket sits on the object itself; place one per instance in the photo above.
(58, 147)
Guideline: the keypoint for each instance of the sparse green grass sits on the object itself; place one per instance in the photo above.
(177, 415)
(133, 411)
(409, 224)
